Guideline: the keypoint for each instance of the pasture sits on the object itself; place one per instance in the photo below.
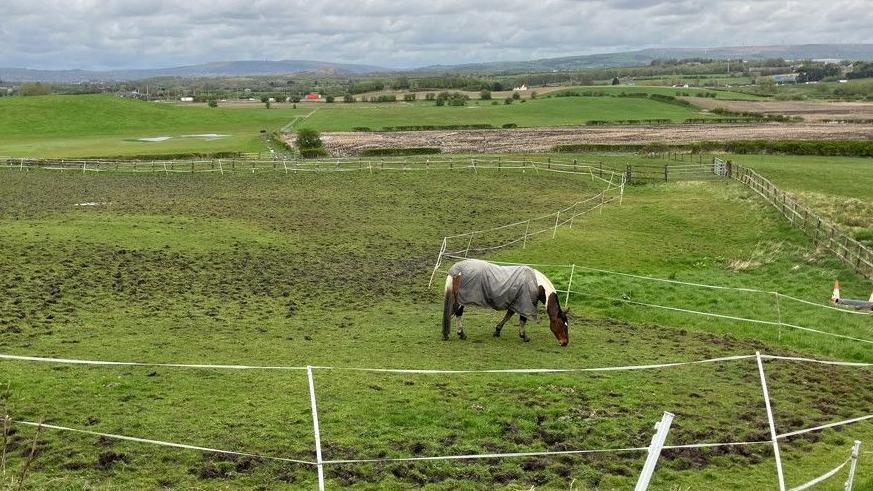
(838, 187)
(331, 269)
(93, 126)
(90, 126)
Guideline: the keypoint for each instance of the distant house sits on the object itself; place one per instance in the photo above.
(522, 88)
(312, 96)
(186, 99)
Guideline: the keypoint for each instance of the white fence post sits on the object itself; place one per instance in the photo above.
(469, 243)
(315, 429)
(779, 473)
(439, 259)
(569, 284)
(855, 450)
(524, 244)
(778, 316)
(662, 427)
(557, 217)
(573, 214)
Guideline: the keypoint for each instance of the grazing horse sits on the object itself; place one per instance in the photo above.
(510, 288)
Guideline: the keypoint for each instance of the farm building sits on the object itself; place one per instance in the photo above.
(312, 96)
(785, 78)
(186, 99)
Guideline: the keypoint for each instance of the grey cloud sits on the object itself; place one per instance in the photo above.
(125, 34)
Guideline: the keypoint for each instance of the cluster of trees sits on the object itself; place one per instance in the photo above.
(861, 70)
(451, 99)
(816, 73)
(34, 88)
(309, 143)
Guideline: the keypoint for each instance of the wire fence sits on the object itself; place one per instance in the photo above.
(653, 450)
(249, 165)
(774, 308)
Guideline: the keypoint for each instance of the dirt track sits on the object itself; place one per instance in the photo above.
(542, 139)
(809, 111)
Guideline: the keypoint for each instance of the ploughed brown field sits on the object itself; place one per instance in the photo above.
(543, 139)
(809, 111)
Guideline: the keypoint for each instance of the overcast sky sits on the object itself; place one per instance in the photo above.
(103, 34)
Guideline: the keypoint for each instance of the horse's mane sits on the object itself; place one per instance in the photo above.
(545, 282)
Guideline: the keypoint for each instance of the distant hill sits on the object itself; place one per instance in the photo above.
(645, 56)
(602, 60)
(217, 69)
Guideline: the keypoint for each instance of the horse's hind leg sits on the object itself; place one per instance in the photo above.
(523, 335)
(459, 314)
(500, 324)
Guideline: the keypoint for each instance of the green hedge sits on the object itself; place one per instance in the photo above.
(394, 152)
(482, 126)
(720, 120)
(279, 141)
(600, 122)
(313, 153)
(833, 148)
(669, 99)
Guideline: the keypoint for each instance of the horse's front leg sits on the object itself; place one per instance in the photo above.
(523, 335)
(459, 314)
(500, 324)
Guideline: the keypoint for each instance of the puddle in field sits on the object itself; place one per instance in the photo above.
(201, 136)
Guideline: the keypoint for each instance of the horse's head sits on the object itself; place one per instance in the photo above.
(558, 320)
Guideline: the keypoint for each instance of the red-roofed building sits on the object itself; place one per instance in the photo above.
(313, 96)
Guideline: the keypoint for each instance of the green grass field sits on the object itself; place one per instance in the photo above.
(674, 91)
(91, 126)
(331, 269)
(84, 126)
(564, 111)
(837, 187)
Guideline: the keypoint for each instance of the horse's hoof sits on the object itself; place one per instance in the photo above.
(445, 338)
(496, 334)
(526, 339)
(462, 335)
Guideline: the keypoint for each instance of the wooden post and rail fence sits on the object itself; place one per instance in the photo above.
(822, 231)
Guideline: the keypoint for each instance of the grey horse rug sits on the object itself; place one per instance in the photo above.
(499, 287)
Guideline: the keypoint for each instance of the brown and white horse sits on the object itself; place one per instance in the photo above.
(522, 289)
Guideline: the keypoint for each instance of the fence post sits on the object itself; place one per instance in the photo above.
(573, 214)
(854, 465)
(524, 244)
(439, 259)
(315, 429)
(569, 284)
(662, 428)
(555, 231)
(778, 316)
(665, 173)
(779, 473)
(469, 243)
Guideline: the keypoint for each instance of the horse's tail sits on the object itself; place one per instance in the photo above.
(448, 305)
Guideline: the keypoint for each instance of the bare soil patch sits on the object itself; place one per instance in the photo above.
(543, 139)
(809, 111)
